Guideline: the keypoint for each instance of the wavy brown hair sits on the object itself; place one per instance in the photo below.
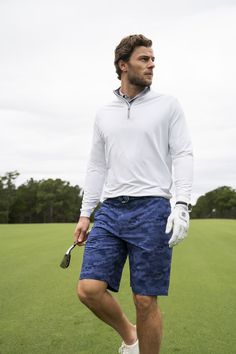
(126, 47)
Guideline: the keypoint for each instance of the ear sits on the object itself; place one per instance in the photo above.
(122, 65)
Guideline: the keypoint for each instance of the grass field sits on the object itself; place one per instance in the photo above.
(40, 312)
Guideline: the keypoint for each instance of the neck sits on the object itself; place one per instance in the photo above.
(131, 90)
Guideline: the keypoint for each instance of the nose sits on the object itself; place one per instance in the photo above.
(151, 64)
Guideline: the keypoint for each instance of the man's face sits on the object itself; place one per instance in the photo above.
(140, 67)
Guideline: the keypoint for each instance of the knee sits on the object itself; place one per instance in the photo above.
(145, 305)
(88, 292)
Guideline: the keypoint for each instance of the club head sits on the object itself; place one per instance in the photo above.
(65, 261)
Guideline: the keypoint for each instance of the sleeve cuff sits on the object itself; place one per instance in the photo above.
(182, 198)
(85, 213)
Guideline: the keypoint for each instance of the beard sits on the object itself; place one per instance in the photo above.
(136, 80)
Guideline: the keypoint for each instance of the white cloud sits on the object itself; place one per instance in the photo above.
(56, 69)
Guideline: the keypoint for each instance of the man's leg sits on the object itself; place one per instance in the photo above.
(94, 294)
(149, 324)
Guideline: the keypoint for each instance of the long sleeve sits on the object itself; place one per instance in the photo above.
(95, 175)
(182, 154)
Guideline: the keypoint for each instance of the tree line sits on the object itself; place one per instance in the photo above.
(44, 201)
(54, 200)
(219, 203)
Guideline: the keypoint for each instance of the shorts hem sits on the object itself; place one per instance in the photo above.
(150, 293)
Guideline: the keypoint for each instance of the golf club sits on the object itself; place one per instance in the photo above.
(66, 259)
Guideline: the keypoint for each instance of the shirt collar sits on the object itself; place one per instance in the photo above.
(129, 99)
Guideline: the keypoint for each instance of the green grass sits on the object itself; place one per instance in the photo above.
(40, 313)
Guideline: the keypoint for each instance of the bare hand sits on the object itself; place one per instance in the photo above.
(80, 234)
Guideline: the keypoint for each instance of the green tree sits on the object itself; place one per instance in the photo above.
(219, 203)
(38, 201)
(57, 201)
(7, 194)
(24, 208)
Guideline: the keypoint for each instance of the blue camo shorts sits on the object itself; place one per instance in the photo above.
(132, 227)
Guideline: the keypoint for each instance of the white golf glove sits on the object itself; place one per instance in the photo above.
(178, 222)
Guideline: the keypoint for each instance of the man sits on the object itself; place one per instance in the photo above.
(137, 140)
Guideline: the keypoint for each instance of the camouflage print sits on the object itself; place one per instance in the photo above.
(133, 227)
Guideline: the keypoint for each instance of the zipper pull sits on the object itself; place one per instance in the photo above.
(128, 112)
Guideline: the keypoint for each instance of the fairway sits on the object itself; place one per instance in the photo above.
(40, 312)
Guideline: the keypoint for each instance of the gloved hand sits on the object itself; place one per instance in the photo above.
(178, 221)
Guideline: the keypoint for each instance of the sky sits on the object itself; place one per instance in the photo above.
(56, 70)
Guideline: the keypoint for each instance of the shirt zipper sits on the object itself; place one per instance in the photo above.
(128, 104)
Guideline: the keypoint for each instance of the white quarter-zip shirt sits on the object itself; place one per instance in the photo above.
(136, 143)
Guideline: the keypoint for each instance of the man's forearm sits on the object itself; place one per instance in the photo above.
(183, 177)
(95, 175)
(93, 190)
